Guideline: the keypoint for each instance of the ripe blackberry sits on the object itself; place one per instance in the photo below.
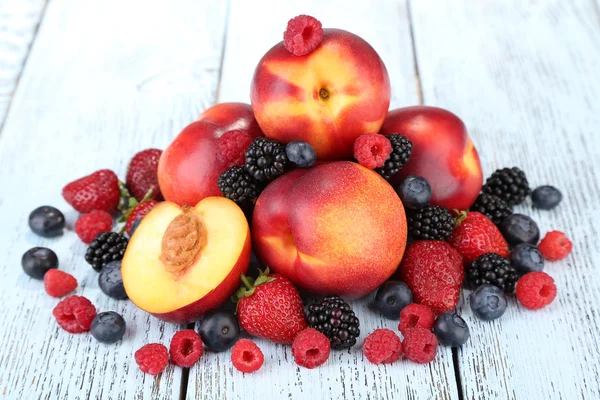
(266, 159)
(430, 223)
(510, 184)
(492, 207)
(107, 247)
(401, 151)
(236, 184)
(335, 319)
(493, 269)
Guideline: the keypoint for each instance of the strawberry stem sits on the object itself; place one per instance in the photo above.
(246, 282)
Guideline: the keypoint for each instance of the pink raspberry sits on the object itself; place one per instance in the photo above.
(303, 35)
(89, 225)
(246, 356)
(555, 246)
(416, 315)
(420, 345)
(310, 348)
(152, 358)
(75, 314)
(186, 348)
(231, 148)
(371, 150)
(382, 346)
(536, 290)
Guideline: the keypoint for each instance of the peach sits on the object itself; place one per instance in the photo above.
(328, 97)
(338, 228)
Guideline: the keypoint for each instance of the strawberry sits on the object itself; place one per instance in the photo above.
(434, 273)
(475, 235)
(270, 307)
(98, 191)
(138, 212)
(142, 175)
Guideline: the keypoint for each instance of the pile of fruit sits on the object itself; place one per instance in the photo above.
(325, 186)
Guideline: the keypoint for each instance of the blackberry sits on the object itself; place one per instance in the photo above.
(107, 247)
(492, 207)
(266, 159)
(493, 269)
(401, 151)
(335, 319)
(510, 184)
(236, 184)
(430, 223)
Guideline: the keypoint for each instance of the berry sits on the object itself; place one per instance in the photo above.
(246, 356)
(265, 159)
(526, 258)
(333, 317)
(47, 221)
(138, 212)
(546, 197)
(301, 153)
(58, 283)
(236, 184)
(391, 298)
(510, 184)
(382, 346)
(536, 290)
(134, 226)
(401, 151)
(414, 191)
(475, 235)
(219, 330)
(493, 269)
(430, 223)
(416, 316)
(107, 247)
(108, 327)
(111, 281)
(371, 150)
(89, 225)
(451, 330)
(420, 345)
(39, 260)
(98, 191)
(152, 358)
(519, 228)
(311, 348)
(555, 246)
(186, 348)
(492, 207)
(488, 302)
(75, 314)
(302, 35)
(231, 148)
(142, 175)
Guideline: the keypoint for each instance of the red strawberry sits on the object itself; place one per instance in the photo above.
(98, 191)
(476, 235)
(142, 174)
(137, 212)
(433, 271)
(270, 307)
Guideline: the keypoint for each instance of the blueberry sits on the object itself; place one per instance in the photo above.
(39, 260)
(108, 327)
(134, 226)
(451, 330)
(111, 282)
(519, 228)
(391, 298)
(546, 197)
(526, 258)
(414, 191)
(488, 302)
(219, 330)
(301, 153)
(47, 221)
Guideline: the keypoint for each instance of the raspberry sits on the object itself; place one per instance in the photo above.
(59, 283)
(186, 348)
(231, 148)
(89, 225)
(302, 35)
(382, 346)
(152, 358)
(536, 290)
(555, 246)
(75, 314)
(310, 348)
(246, 356)
(371, 150)
(420, 345)
(416, 316)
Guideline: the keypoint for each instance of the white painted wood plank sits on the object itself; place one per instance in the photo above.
(525, 78)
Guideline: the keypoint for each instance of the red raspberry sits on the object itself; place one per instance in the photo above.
(416, 316)
(59, 283)
(98, 191)
(152, 358)
(310, 348)
(382, 346)
(138, 212)
(231, 148)
(75, 314)
(302, 35)
(186, 348)
(536, 290)
(420, 345)
(555, 246)
(246, 356)
(89, 225)
(142, 175)
(372, 149)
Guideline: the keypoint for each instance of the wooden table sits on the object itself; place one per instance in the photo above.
(84, 84)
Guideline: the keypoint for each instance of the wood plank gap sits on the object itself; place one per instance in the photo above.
(223, 48)
(457, 373)
(185, 374)
(414, 51)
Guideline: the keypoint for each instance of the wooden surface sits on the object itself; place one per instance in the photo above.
(104, 79)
